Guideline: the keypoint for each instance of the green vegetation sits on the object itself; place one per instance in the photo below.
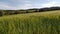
(12, 12)
(31, 23)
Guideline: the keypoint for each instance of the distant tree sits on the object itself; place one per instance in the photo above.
(1, 13)
(16, 12)
(27, 11)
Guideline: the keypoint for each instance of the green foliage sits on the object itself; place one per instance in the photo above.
(12, 12)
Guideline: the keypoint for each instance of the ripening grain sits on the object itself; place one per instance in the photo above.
(31, 23)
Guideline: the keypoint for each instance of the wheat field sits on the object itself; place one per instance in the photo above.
(31, 23)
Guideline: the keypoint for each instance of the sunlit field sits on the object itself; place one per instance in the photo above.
(31, 23)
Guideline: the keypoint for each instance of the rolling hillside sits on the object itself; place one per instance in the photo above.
(31, 23)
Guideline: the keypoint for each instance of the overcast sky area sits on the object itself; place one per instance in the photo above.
(27, 4)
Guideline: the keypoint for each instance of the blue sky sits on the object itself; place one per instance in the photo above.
(26, 4)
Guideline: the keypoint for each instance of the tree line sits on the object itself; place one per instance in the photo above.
(12, 12)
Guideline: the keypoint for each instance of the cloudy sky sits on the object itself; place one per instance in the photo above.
(26, 4)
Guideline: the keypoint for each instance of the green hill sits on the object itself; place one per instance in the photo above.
(31, 23)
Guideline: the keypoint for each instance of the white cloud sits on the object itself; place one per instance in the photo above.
(4, 6)
(26, 5)
(19, 6)
(50, 4)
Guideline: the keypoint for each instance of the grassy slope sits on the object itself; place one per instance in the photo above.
(31, 23)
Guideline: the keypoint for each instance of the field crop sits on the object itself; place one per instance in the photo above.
(31, 23)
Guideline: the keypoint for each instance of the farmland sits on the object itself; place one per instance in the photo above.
(31, 23)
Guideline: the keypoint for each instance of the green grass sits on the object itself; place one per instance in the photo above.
(31, 23)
